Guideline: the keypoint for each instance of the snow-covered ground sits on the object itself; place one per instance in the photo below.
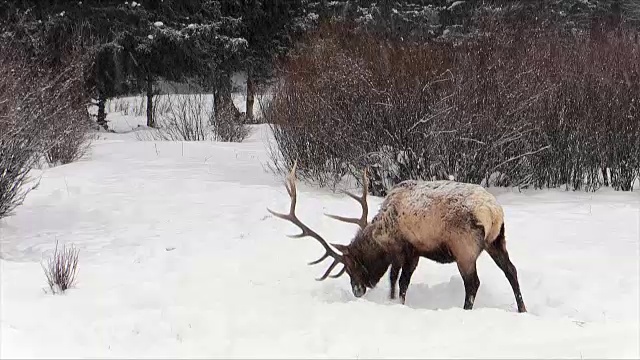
(180, 258)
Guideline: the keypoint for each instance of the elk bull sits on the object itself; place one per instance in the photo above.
(445, 221)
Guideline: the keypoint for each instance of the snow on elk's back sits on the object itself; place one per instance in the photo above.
(424, 192)
(180, 258)
(450, 199)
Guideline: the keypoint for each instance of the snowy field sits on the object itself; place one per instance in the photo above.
(180, 258)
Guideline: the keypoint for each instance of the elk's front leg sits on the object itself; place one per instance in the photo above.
(471, 282)
(393, 279)
(405, 278)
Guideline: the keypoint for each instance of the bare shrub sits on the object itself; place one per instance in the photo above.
(21, 142)
(120, 105)
(22, 138)
(186, 118)
(337, 116)
(229, 125)
(62, 268)
(69, 130)
(513, 106)
(139, 107)
(42, 114)
(20, 148)
(161, 105)
(129, 106)
(191, 117)
(73, 144)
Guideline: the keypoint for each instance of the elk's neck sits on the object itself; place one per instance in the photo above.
(372, 256)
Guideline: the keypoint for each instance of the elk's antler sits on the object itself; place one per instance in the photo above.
(362, 221)
(306, 231)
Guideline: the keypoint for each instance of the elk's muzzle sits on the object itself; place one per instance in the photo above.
(359, 290)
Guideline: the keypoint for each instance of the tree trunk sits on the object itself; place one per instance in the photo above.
(250, 96)
(151, 122)
(385, 13)
(222, 93)
(102, 115)
(324, 11)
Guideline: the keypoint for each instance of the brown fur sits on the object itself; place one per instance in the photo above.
(444, 221)
(429, 214)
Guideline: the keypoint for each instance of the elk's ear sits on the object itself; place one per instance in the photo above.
(344, 249)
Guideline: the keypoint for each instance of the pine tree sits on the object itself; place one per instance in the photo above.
(268, 27)
(133, 45)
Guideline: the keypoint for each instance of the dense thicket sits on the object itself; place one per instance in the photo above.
(514, 105)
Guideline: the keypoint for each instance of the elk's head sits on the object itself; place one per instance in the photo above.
(364, 266)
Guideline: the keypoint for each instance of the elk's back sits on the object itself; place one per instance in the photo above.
(430, 213)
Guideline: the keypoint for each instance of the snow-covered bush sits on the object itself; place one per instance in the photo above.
(61, 268)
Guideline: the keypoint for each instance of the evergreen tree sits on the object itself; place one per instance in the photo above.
(268, 27)
(133, 45)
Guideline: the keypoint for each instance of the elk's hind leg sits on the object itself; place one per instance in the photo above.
(498, 252)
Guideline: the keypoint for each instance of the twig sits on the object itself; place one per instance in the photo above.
(521, 156)
(424, 120)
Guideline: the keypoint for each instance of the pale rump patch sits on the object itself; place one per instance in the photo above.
(488, 213)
